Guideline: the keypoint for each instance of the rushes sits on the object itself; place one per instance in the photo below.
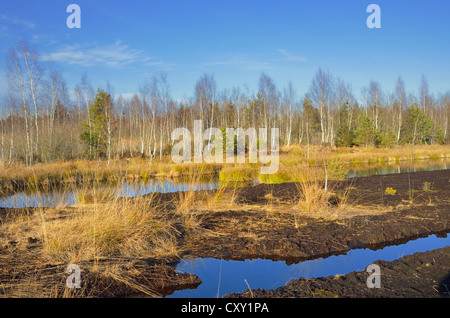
(104, 228)
(96, 194)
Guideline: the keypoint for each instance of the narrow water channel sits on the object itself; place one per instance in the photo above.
(221, 277)
(398, 168)
(127, 189)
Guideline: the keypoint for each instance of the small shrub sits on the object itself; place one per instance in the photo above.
(337, 169)
(390, 191)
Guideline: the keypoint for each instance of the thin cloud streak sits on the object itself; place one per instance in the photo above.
(116, 55)
(17, 21)
(291, 57)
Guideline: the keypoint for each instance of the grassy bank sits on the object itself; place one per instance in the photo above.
(82, 172)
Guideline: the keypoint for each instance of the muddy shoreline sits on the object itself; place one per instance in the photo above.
(420, 275)
(315, 239)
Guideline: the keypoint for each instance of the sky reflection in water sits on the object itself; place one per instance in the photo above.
(221, 277)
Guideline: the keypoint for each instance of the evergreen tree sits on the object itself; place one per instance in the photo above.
(311, 117)
(387, 138)
(345, 135)
(365, 132)
(418, 127)
(94, 133)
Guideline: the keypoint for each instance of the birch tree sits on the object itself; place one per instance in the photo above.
(320, 93)
(400, 95)
(34, 73)
(16, 83)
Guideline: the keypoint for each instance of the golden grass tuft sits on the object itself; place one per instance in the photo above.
(125, 227)
(318, 196)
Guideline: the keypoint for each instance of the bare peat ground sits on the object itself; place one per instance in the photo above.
(133, 278)
(276, 233)
(420, 207)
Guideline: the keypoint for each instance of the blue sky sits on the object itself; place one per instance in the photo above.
(125, 42)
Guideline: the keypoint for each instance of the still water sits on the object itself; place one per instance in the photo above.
(221, 277)
(398, 168)
(127, 189)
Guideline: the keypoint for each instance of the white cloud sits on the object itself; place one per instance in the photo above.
(162, 65)
(17, 21)
(3, 86)
(115, 55)
(44, 38)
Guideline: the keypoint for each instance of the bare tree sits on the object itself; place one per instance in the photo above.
(88, 93)
(34, 70)
(57, 93)
(321, 91)
(400, 95)
(17, 86)
(289, 100)
(424, 94)
(373, 98)
(269, 95)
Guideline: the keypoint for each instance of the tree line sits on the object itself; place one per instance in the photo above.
(42, 120)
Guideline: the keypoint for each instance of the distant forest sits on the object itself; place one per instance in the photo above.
(43, 120)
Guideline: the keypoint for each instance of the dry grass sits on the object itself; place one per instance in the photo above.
(361, 155)
(318, 195)
(120, 228)
(97, 233)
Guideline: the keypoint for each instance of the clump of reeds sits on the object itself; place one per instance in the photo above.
(319, 196)
(122, 227)
(96, 194)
